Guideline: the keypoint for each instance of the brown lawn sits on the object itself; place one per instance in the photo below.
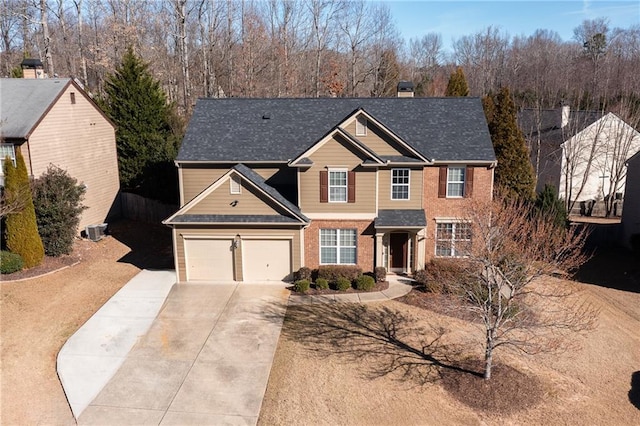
(337, 364)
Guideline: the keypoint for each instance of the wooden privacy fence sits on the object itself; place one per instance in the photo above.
(143, 209)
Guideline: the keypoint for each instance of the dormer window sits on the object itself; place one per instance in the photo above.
(361, 126)
(234, 185)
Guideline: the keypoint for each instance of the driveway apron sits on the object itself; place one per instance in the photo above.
(205, 360)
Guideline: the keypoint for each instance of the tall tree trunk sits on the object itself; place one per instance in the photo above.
(83, 58)
(488, 355)
(44, 18)
(181, 15)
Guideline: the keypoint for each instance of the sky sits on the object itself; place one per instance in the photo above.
(453, 19)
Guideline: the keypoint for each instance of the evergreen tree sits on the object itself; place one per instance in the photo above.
(514, 173)
(457, 85)
(21, 229)
(148, 130)
(548, 203)
(57, 198)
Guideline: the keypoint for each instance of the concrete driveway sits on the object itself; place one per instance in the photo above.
(205, 359)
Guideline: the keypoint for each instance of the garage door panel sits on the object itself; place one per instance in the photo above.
(209, 259)
(266, 260)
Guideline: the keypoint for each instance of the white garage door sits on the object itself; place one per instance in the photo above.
(266, 260)
(208, 260)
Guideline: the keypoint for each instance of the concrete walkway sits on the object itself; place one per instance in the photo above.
(205, 359)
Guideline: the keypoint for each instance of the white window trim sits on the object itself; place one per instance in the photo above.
(361, 126)
(464, 174)
(12, 156)
(337, 246)
(452, 248)
(408, 185)
(346, 185)
(235, 186)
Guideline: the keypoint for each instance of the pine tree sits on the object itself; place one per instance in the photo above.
(21, 230)
(514, 173)
(146, 135)
(548, 203)
(457, 85)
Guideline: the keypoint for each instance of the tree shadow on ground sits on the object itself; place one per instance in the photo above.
(381, 340)
(634, 392)
(151, 244)
(612, 267)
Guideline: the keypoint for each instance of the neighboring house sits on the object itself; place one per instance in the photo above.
(631, 210)
(53, 121)
(581, 153)
(270, 185)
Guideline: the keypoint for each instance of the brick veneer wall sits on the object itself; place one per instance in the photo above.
(366, 241)
(450, 207)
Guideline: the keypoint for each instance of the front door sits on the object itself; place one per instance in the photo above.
(398, 244)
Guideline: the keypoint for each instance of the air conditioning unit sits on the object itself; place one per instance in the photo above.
(96, 232)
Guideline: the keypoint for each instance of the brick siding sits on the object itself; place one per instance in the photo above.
(450, 207)
(365, 248)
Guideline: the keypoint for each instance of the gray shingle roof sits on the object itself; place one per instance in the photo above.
(222, 218)
(550, 123)
(400, 218)
(258, 180)
(23, 102)
(234, 130)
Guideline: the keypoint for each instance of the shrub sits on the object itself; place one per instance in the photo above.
(10, 262)
(343, 284)
(304, 273)
(21, 228)
(380, 273)
(301, 286)
(365, 283)
(441, 275)
(332, 273)
(57, 199)
(322, 284)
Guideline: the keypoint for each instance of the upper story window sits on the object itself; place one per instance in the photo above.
(337, 186)
(7, 150)
(361, 126)
(400, 184)
(338, 246)
(234, 185)
(455, 181)
(72, 95)
(453, 239)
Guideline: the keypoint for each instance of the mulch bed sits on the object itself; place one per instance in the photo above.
(49, 264)
(380, 286)
(508, 391)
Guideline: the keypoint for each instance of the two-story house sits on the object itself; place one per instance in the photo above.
(270, 185)
(53, 121)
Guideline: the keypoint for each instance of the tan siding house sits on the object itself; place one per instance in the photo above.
(54, 122)
(310, 182)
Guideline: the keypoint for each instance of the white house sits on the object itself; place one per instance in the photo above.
(582, 154)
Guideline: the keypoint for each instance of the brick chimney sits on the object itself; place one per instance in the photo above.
(32, 68)
(405, 89)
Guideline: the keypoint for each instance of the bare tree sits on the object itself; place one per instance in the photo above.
(323, 14)
(508, 247)
(579, 151)
(483, 57)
